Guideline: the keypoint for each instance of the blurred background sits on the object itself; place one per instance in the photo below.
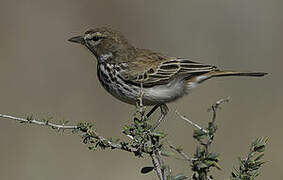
(43, 74)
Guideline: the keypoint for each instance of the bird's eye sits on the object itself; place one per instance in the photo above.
(95, 38)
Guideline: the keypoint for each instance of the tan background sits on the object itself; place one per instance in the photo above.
(42, 74)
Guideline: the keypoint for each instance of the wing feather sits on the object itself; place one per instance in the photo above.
(155, 69)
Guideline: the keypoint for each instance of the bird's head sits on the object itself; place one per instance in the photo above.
(105, 43)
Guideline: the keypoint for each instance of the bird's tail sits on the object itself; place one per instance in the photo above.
(212, 74)
(236, 73)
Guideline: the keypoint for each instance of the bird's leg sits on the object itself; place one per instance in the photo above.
(152, 111)
(164, 110)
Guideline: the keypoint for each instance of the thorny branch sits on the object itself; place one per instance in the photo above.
(191, 122)
(64, 127)
(181, 152)
(144, 141)
(214, 108)
(217, 106)
(40, 123)
(203, 158)
(158, 165)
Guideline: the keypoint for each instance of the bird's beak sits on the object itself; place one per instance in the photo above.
(77, 39)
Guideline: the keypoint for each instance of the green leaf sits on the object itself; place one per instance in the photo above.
(201, 165)
(199, 134)
(259, 157)
(260, 148)
(209, 162)
(180, 177)
(158, 134)
(146, 169)
(167, 154)
(91, 147)
(75, 131)
(217, 166)
(213, 156)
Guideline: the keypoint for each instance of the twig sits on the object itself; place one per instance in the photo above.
(192, 123)
(158, 165)
(113, 145)
(184, 155)
(40, 123)
(141, 96)
(216, 106)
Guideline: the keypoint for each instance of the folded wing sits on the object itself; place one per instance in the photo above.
(156, 69)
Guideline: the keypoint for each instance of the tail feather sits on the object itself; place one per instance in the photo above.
(211, 74)
(236, 73)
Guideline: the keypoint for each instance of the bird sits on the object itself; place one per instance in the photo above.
(125, 70)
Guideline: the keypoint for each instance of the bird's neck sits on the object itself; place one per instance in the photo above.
(116, 54)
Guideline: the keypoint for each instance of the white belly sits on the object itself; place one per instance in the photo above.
(165, 93)
(159, 94)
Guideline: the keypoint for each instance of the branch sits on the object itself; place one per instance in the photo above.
(181, 152)
(40, 123)
(69, 127)
(216, 106)
(249, 167)
(144, 141)
(203, 159)
(191, 122)
(158, 165)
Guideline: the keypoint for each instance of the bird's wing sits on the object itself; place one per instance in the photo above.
(152, 69)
